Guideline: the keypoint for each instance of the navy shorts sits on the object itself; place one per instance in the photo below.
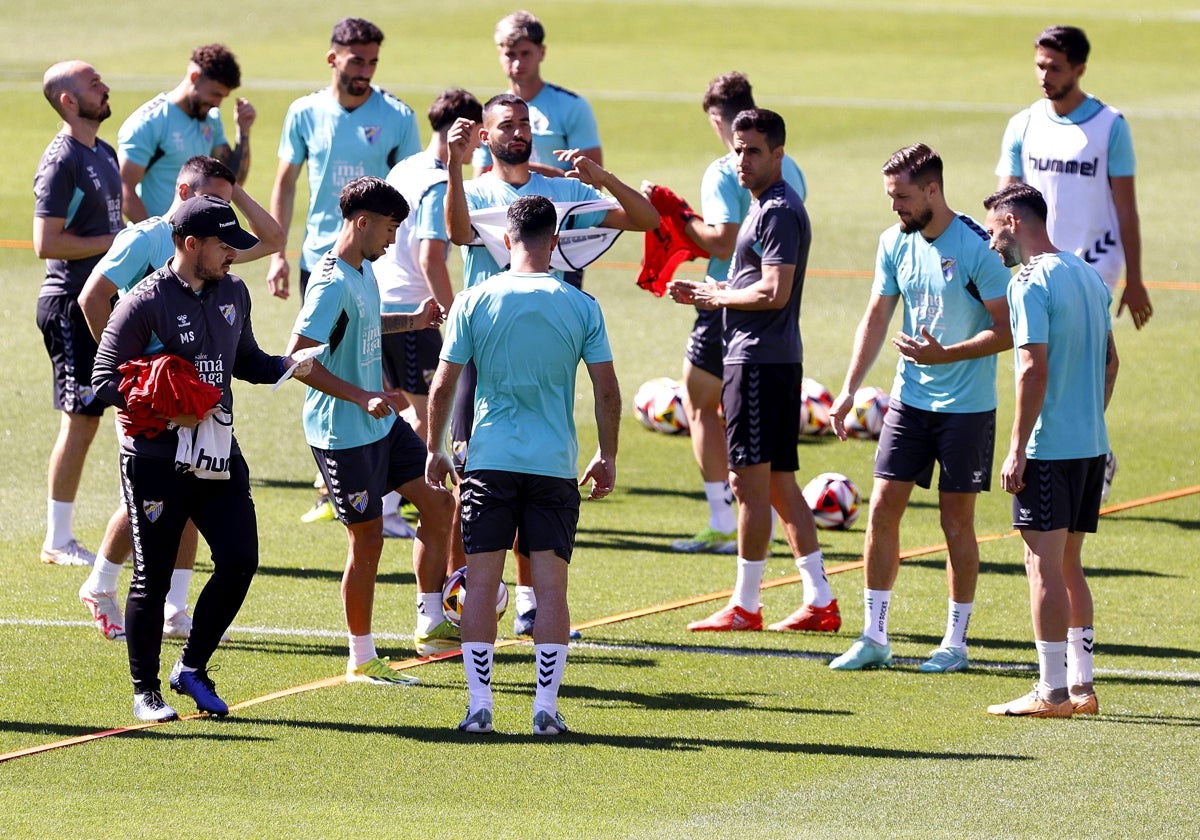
(1060, 494)
(72, 354)
(410, 358)
(762, 415)
(961, 444)
(705, 347)
(541, 512)
(360, 476)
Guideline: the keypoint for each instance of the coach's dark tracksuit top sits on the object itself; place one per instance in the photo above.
(210, 329)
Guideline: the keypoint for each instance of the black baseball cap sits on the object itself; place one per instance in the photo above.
(207, 215)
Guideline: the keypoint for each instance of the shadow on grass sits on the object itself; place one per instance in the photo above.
(448, 734)
(1183, 524)
(68, 730)
(333, 575)
(1105, 649)
(1144, 720)
(938, 562)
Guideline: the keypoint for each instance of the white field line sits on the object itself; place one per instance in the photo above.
(243, 633)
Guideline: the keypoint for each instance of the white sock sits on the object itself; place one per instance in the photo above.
(60, 517)
(958, 616)
(181, 667)
(362, 649)
(1052, 664)
(550, 662)
(429, 611)
(477, 665)
(812, 573)
(721, 515)
(1080, 641)
(747, 587)
(526, 600)
(103, 576)
(391, 503)
(181, 579)
(876, 603)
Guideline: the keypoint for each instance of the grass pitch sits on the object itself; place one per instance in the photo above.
(676, 736)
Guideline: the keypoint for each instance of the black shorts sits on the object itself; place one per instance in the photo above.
(304, 275)
(1060, 494)
(542, 512)
(961, 444)
(410, 358)
(574, 278)
(762, 415)
(72, 353)
(705, 346)
(359, 477)
(463, 416)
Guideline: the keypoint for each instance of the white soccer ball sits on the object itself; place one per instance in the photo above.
(865, 419)
(815, 403)
(659, 406)
(834, 501)
(454, 595)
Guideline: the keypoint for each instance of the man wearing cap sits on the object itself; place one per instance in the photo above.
(197, 311)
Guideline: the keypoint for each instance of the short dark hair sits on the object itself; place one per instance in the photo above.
(372, 195)
(731, 93)
(531, 220)
(1069, 40)
(452, 104)
(519, 26)
(1019, 199)
(503, 100)
(349, 31)
(216, 62)
(202, 169)
(763, 121)
(921, 163)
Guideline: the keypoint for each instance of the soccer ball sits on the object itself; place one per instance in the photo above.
(865, 419)
(454, 595)
(659, 407)
(834, 501)
(815, 402)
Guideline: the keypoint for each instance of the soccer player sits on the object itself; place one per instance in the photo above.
(156, 140)
(943, 400)
(1066, 365)
(349, 129)
(200, 313)
(507, 134)
(362, 450)
(1078, 153)
(760, 305)
(137, 251)
(413, 268)
(527, 331)
(723, 204)
(76, 216)
(558, 118)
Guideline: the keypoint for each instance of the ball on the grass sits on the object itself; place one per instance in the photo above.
(658, 405)
(815, 403)
(834, 501)
(865, 419)
(454, 595)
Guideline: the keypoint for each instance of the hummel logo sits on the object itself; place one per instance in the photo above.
(226, 224)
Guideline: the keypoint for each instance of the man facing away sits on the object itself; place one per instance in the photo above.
(943, 404)
(761, 381)
(527, 331)
(162, 134)
(76, 217)
(1066, 366)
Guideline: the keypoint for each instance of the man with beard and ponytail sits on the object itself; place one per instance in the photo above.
(345, 131)
(507, 135)
(943, 402)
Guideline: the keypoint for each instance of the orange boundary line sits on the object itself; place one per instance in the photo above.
(407, 664)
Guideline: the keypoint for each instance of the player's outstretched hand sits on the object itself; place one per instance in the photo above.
(837, 414)
(277, 276)
(459, 140)
(1137, 300)
(429, 314)
(438, 467)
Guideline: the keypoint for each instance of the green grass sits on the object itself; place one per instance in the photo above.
(678, 736)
